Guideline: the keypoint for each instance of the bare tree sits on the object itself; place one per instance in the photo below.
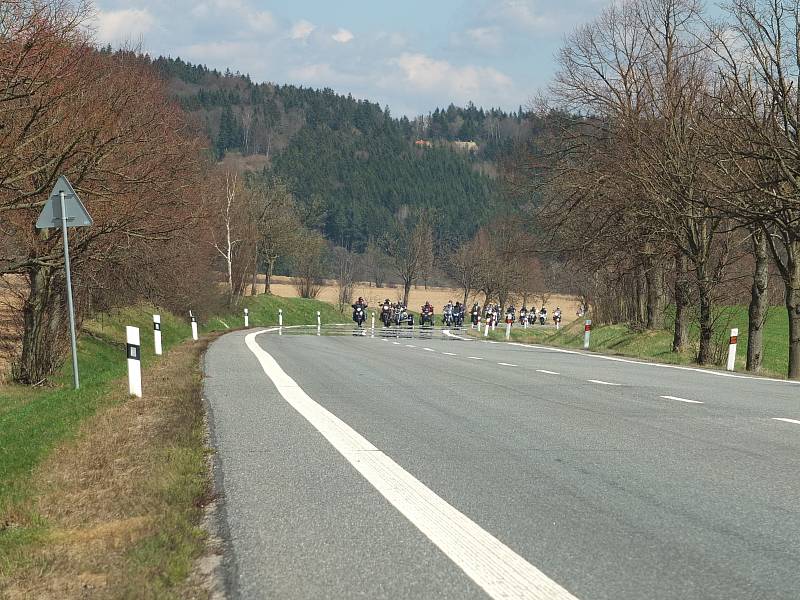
(409, 247)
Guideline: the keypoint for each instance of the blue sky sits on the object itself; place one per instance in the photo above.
(413, 55)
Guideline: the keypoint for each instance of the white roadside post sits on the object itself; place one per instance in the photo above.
(280, 321)
(478, 325)
(732, 349)
(134, 350)
(319, 323)
(64, 209)
(486, 333)
(157, 334)
(587, 330)
(246, 318)
(372, 334)
(194, 325)
(508, 326)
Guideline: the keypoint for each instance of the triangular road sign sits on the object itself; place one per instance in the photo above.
(73, 207)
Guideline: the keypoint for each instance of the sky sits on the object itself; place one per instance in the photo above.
(412, 55)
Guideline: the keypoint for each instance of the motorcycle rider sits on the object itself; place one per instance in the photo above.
(458, 314)
(512, 311)
(447, 313)
(386, 312)
(543, 316)
(360, 304)
(523, 315)
(476, 314)
(557, 315)
(426, 313)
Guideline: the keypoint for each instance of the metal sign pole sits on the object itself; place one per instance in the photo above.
(70, 308)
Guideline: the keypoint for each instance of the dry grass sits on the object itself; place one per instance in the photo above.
(122, 503)
(438, 296)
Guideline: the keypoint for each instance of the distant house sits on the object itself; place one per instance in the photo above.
(465, 146)
(423, 144)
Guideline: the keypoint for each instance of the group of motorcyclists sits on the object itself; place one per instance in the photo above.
(453, 314)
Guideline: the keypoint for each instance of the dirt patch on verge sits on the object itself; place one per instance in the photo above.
(123, 504)
(12, 296)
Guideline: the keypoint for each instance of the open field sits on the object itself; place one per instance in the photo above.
(438, 296)
(10, 317)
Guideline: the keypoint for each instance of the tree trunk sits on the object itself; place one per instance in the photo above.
(706, 318)
(682, 297)
(759, 304)
(268, 276)
(406, 291)
(655, 295)
(45, 337)
(253, 290)
(641, 296)
(792, 285)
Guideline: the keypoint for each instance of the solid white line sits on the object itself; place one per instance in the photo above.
(795, 421)
(501, 572)
(449, 354)
(547, 372)
(475, 357)
(507, 364)
(681, 399)
(650, 364)
(602, 382)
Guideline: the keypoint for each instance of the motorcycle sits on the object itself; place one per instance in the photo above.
(447, 319)
(542, 318)
(476, 315)
(458, 319)
(523, 318)
(426, 318)
(557, 320)
(401, 317)
(386, 316)
(359, 316)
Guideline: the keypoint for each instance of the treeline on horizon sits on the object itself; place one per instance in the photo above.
(352, 156)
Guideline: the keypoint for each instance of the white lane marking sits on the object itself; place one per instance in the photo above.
(429, 349)
(795, 421)
(681, 399)
(475, 357)
(602, 382)
(507, 365)
(501, 572)
(649, 364)
(449, 354)
(547, 372)
(396, 343)
(410, 346)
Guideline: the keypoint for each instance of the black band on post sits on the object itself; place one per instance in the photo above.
(134, 351)
(157, 326)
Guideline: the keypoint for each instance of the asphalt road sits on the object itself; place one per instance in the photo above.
(616, 480)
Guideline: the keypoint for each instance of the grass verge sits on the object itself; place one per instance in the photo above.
(657, 345)
(101, 494)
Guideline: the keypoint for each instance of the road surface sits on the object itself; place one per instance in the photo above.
(382, 468)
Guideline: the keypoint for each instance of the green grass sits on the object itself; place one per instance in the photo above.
(657, 345)
(34, 421)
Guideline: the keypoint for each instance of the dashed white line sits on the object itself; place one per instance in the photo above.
(475, 357)
(602, 382)
(396, 343)
(795, 421)
(410, 346)
(547, 372)
(501, 572)
(449, 354)
(429, 349)
(681, 399)
(507, 364)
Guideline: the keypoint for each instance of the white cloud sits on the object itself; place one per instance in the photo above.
(301, 30)
(119, 26)
(486, 37)
(342, 36)
(522, 14)
(426, 74)
(261, 21)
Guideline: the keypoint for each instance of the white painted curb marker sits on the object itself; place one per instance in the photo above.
(587, 330)
(319, 323)
(280, 321)
(194, 325)
(134, 350)
(732, 350)
(246, 318)
(157, 334)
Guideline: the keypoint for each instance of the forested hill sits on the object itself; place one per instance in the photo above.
(352, 156)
